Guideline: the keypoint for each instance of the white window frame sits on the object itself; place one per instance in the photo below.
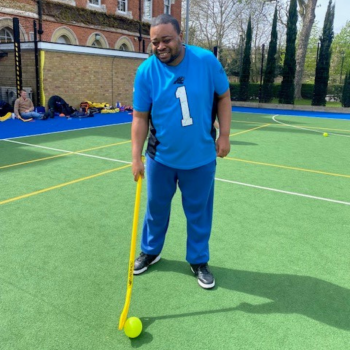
(96, 5)
(8, 34)
(167, 7)
(121, 4)
(147, 9)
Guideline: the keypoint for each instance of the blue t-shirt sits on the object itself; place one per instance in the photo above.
(180, 101)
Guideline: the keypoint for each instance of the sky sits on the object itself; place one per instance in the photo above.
(342, 13)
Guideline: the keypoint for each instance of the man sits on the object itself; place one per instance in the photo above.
(174, 95)
(24, 107)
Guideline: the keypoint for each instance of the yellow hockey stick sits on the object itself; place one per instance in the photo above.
(124, 313)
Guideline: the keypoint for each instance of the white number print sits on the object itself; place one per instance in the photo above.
(182, 96)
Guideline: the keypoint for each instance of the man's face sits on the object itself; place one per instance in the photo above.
(24, 94)
(167, 44)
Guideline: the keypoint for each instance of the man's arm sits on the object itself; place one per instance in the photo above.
(224, 115)
(16, 108)
(139, 132)
(31, 108)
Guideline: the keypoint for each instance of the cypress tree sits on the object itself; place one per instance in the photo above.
(269, 76)
(324, 59)
(345, 100)
(245, 72)
(289, 66)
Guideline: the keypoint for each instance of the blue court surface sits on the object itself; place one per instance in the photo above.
(16, 128)
(311, 114)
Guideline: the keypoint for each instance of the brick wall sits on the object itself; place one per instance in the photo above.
(7, 67)
(79, 77)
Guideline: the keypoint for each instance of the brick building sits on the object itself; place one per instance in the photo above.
(88, 49)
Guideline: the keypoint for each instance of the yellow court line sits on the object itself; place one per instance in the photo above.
(288, 167)
(300, 126)
(245, 131)
(63, 185)
(63, 155)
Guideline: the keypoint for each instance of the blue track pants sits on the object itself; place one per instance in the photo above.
(197, 189)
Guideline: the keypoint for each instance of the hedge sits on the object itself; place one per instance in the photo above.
(306, 91)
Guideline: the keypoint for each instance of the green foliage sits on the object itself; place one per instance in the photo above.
(345, 100)
(324, 59)
(245, 73)
(69, 14)
(270, 71)
(289, 66)
(306, 91)
(253, 91)
(340, 53)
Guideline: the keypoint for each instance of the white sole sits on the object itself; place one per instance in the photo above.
(138, 272)
(205, 285)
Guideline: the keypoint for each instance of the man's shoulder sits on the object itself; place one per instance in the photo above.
(147, 64)
(200, 51)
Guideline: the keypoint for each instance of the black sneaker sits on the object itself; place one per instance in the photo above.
(205, 277)
(143, 261)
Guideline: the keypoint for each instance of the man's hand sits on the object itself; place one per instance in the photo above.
(223, 146)
(138, 169)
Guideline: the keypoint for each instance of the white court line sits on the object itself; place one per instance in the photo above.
(65, 151)
(217, 179)
(285, 192)
(299, 127)
(58, 132)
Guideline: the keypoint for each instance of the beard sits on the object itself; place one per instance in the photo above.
(169, 55)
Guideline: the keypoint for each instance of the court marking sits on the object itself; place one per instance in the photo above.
(287, 167)
(62, 131)
(284, 192)
(301, 128)
(63, 185)
(274, 125)
(249, 130)
(66, 153)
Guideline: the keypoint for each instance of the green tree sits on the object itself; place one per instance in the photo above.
(270, 71)
(340, 62)
(324, 59)
(289, 66)
(245, 72)
(345, 100)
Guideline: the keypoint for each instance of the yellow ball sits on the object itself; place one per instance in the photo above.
(133, 327)
(325, 134)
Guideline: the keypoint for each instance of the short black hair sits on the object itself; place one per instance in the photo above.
(165, 19)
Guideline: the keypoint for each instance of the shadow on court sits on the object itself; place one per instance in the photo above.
(289, 294)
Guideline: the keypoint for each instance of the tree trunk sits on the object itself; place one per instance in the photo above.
(308, 18)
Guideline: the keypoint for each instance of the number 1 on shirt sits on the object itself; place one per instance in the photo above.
(182, 96)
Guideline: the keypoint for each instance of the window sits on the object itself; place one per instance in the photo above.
(167, 6)
(123, 47)
(122, 5)
(6, 35)
(63, 39)
(95, 2)
(97, 43)
(147, 9)
(31, 36)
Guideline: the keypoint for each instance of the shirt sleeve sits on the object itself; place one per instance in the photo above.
(142, 93)
(31, 106)
(15, 108)
(221, 83)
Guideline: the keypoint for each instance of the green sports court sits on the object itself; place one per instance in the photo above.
(279, 248)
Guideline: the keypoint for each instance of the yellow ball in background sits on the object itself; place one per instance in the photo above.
(325, 134)
(133, 327)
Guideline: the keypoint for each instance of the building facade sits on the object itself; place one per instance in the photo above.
(89, 49)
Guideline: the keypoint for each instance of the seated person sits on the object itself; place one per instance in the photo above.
(24, 107)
